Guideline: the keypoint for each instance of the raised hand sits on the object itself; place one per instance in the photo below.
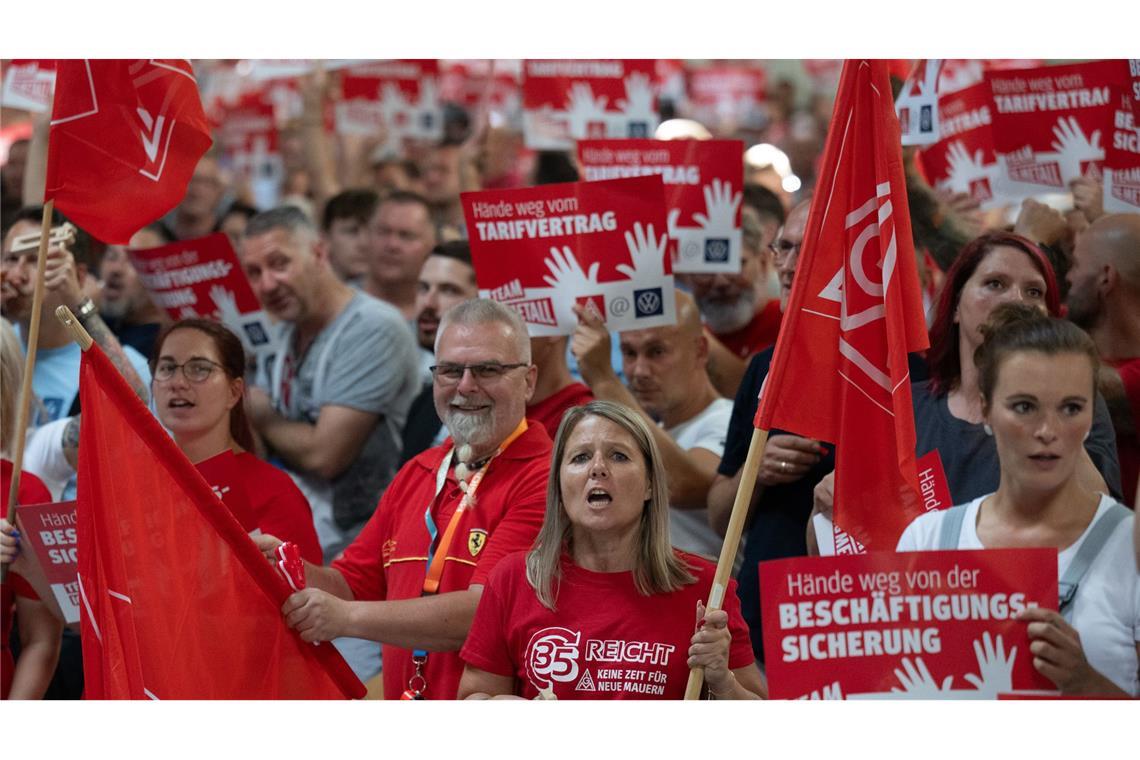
(566, 272)
(995, 670)
(721, 206)
(638, 103)
(963, 168)
(1088, 197)
(583, 107)
(1073, 147)
(646, 252)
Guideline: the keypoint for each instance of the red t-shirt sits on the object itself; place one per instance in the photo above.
(32, 491)
(604, 641)
(388, 560)
(757, 335)
(549, 411)
(279, 507)
(1128, 446)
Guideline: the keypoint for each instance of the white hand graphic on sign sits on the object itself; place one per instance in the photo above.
(994, 668)
(671, 222)
(917, 681)
(223, 298)
(962, 167)
(721, 206)
(1073, 147)
(584, 108)
(646, 252)
(393, 103)
(638, 102)
(567, 272)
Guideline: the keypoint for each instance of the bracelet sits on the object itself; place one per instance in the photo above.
(84, 309)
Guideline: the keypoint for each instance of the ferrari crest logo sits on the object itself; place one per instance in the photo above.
(475, 540)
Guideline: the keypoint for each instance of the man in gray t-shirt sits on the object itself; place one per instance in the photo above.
(332, 403)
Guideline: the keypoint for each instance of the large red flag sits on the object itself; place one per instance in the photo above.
(176, 602)
(839, 372)
(125, 138)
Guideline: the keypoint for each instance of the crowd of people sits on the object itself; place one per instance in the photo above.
(472, 503)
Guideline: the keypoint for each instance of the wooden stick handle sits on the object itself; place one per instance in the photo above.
(731, 542)
(71, 322)
(24, 405)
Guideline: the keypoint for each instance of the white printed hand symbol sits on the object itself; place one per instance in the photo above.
(639, 97)
(963, 168)
(721, 206)
(1073, 147)
(428, 104)
(917, 681)
(223, 298)
(393, 104)
(584, 108)
(671, 222)
(567, 273)
(646, 252)
(995, 670)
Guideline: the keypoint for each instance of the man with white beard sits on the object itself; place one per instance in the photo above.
(413, 577)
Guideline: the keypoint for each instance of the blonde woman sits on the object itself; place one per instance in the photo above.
(603, 607)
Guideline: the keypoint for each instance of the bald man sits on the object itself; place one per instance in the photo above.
(666, 368)
(1104, 299)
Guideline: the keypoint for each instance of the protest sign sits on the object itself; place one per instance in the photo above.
(541, 250)
(963, 158)
(1122, 155)
(917, 104)
(909, 625)
(703, 181)
(567, 100)
(49, 531)
(466, 80)
(28, 85)
(1050, 124)
(398, 98)
(202, 278)
(265, 69)
(726, 96)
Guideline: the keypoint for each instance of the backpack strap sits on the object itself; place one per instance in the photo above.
(1095, 540)
(951, 531)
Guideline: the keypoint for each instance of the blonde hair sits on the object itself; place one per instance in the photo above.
(657, 568)
(11, 378)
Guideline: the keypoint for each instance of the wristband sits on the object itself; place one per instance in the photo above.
(84, 309)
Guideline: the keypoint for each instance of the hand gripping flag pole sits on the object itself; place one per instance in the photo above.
(23, 406)
(728, 550)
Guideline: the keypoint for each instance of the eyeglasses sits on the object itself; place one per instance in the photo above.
(449, 374)
(782, 248)
(195, 370)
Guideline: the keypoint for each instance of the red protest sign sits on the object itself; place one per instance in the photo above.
(264, 69)
(932, 483)
(1122, 156)
(725, 95)
(703, 181)
(963, 159)
(49, 530)
(539, 249)
(400, 97)
(916, 624)
(28, 85)
(917, 104)
(465, 81)
(202, 278)
(1050, 124)
(567, 100)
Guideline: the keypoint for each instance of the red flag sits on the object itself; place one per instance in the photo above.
(125, 138)
(176, 602)
(839, 372)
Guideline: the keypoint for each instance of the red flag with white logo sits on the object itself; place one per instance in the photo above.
(176, 601)
(839, 372)
(125, 138)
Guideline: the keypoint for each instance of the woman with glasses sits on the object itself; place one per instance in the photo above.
(603, 607)
(199, 390)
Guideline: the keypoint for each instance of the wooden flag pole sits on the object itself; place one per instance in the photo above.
(71, 322)
(23, 406)
(731, 542)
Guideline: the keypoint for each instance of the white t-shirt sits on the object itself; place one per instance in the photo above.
(689, 528)
(1106, 608)
(43, 457)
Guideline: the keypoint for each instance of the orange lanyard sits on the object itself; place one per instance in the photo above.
(435, 567)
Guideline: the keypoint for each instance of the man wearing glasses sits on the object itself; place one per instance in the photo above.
(413, 577)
